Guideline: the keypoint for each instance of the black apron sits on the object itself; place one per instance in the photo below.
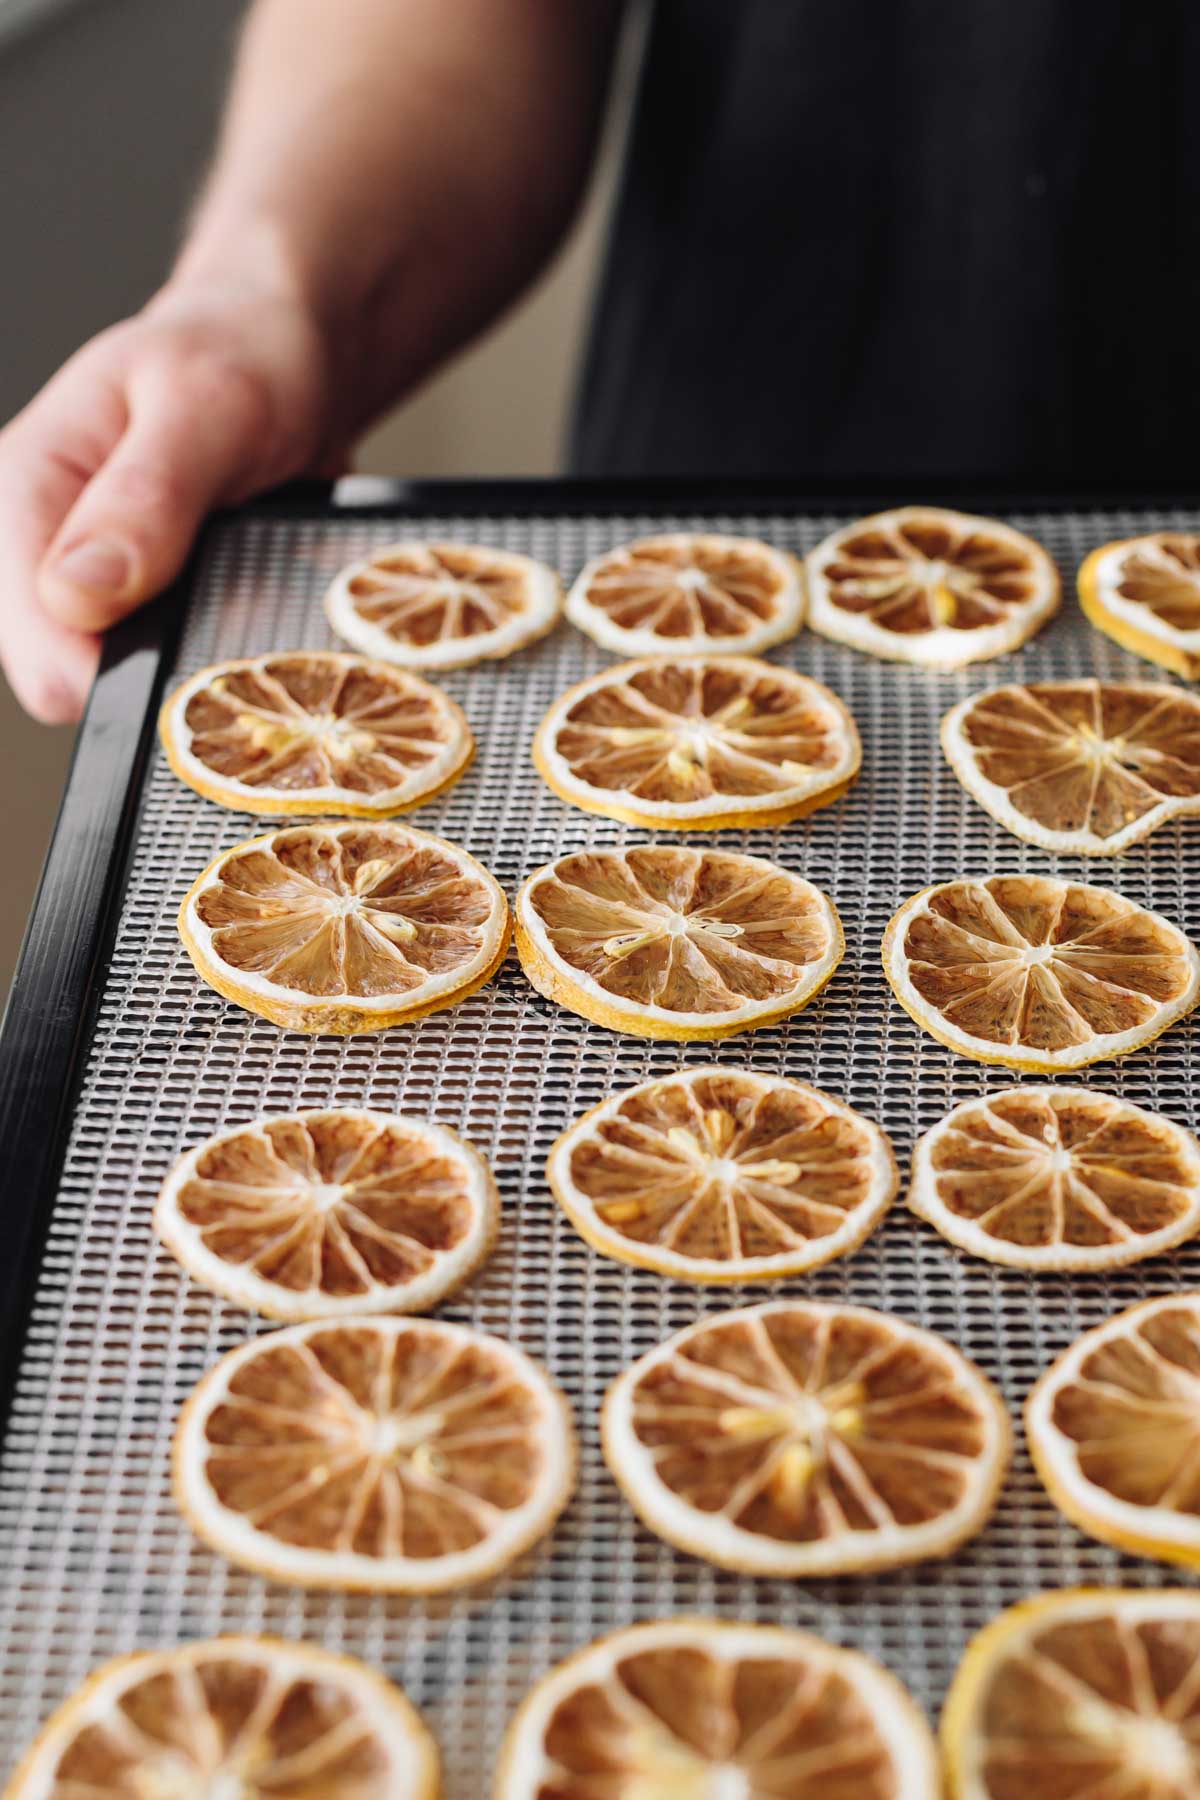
(906, 238)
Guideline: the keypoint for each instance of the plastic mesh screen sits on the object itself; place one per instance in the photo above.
(96, 1560)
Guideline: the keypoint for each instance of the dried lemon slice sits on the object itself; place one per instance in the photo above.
(688, 592)
(385, 1455)
(324, 1214)
(309, 731)
(722, 1175)
(439, 606)
(698, 742)
(345, 928)
(1058, 1178)
(672, 943)
(1084, 768)
(803, 1439)
(697, 1707)
(1038, 973)
(1114, 1430)
(232, 1716)
(1088, 1694)
(1145, 594)
(924, 585)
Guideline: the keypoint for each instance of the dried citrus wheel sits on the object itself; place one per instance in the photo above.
(689, 1708)
(439, 606)
(804, 1439)
(672, 943)
(313, 732)
(232, 1716)
(1038, 973)
(323, 1214)
(698, 743)
(1058, 1178)
(688, 592)
(1088, 1694)
(388, 1455)
(1145, 594)
(1114, 1430)
(722, 1175)
(1081, 767)
(927, 586)
(345, 928)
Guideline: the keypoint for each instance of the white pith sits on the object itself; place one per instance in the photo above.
(543, 602)
(245, 1287)
(942, 647)
(718, 1539)
(526, 1766)
(595, 621)
(242, 1542)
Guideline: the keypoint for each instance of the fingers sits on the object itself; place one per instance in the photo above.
(193, 431)
(49, 666)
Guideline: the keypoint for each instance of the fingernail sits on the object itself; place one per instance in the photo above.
(98, 565)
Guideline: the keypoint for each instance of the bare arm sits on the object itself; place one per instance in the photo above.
(390, 174)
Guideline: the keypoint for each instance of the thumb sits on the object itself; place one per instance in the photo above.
(188, 442)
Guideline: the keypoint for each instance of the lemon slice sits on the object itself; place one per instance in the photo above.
(1058, 1178)
(672, 943)
(1088, 1694)
(1114, 1430)
(1145, 594)
(345, 928)
(382, 1455)
(313, 732)
(689, 592)
(440, 606)
(923, 585)
(1038, 973)
(801, 1439)
(722, 1175)
(698, 743)
(232, 1716)
(1084, 768)
(696, 1709)
(324, 1214)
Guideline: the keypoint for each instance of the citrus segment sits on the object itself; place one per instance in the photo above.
(389, 1455)
(701, 742)
(692, 1708)
(1088, 1694)
(345, 928)
(923, 585)
(439, 606)
(1080, 767)
(1145, 594)
(253, 1717)
(688, 592)
(1058, 1178)
(312, 732)
(1114, 1430)
(322, 1214)
(673, 943)
(722, 1175)
(803, 1439)
(1038, 973)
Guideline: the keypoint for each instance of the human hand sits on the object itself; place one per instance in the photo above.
(215, 391)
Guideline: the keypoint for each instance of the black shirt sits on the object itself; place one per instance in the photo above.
(906, 237)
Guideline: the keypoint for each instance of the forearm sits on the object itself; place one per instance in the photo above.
(405, 165)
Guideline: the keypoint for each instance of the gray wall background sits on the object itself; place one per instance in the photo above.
(107, 110)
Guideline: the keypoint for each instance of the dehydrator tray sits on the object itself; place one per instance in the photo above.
(117, 1058)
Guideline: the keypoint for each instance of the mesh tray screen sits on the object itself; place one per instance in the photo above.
(95, 1559)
